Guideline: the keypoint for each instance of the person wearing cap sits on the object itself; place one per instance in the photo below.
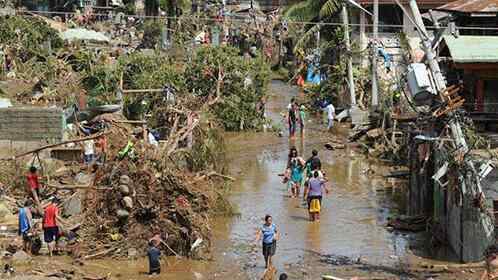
(51, 220)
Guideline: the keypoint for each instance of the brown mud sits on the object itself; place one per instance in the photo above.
(350, 240)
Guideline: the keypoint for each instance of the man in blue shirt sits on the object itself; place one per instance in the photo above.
(26, 224)
(154, 254)
(269, 234)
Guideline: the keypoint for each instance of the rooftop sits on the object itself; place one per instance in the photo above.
(471, 6)
(421, 3)
(472, 49)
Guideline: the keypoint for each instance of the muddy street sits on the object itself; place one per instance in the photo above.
(352, 219)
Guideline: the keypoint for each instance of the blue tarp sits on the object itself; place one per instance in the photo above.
(313, 75)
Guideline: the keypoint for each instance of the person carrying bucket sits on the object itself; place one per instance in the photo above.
(313, 194)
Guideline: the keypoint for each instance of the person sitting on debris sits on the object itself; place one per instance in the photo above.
(154, 255)
(26, 224)
(34, 184)
(491, 258)
(51, 220)
(269, 233)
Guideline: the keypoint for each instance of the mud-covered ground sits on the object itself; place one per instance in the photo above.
(350, 240)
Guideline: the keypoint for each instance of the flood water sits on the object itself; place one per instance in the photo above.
(352, 219)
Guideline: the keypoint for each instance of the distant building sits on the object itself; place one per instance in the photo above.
(473, 15)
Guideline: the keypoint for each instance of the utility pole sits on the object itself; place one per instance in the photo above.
(375, 87)
(454, 124)
(345, 23)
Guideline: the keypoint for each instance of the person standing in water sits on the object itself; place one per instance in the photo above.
(313, 164)
(330, 115)
(313, 194)
(292, 118)
(295, 169)
(302, 119)
(269, 234)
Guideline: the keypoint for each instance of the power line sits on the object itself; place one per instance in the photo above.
(246, 20)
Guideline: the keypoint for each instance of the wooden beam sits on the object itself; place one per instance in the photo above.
(55, 145)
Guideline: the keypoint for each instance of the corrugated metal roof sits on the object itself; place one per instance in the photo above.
(473, 49)
(471, 6)
(421, 3)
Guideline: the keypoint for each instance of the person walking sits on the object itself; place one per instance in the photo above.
(34, 186)
(26, 225)
(269, 234)
(330, 115)
(313, 164)
(294, 171)
(51, 219)
(292, 118)
(154, 255)
(313, 193)
(302, 119)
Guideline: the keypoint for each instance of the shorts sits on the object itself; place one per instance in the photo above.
(292, 127)
(37, 191)
(269, 249)
(311, 197)
(50, 234)
(26, 236)
(88, 158)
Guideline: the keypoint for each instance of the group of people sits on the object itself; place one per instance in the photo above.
(296, 114)
(309, 174)
(51, 221)
(298, 173)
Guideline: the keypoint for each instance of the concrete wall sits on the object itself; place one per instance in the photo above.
(468, 230)
(31, 124)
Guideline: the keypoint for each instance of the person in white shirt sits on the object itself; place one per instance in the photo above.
(89, 151)
(330, 115)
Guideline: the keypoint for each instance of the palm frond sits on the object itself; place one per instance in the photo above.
(307, 37)
(304, 11)
(329, 8)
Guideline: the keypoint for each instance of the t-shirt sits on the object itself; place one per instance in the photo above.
(330, 111)
(33, 181)
(154, 254)
(315, 163)
(302, 116)
(49, 216)
(315, 186)
(24, 225)
(102, 144)
(292, 115)
(89, 147)
(268, 233)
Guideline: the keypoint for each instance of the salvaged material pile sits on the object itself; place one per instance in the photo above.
(155, 191)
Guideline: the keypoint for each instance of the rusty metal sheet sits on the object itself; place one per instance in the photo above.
(471, 6)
